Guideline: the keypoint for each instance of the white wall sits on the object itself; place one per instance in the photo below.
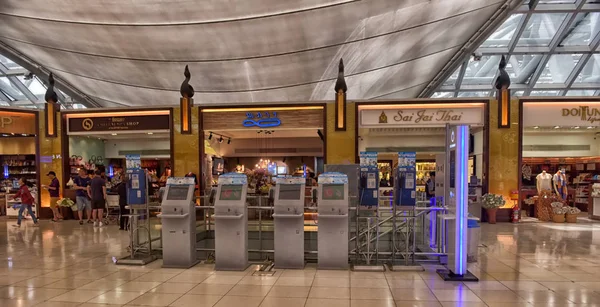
(478, 153)
(112, 147)
(561, 139)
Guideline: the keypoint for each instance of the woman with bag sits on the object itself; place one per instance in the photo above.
(27, 201)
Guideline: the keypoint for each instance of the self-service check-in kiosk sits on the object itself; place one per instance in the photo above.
(178, 217)
(231, 223)
(333, 221)
(289, 222)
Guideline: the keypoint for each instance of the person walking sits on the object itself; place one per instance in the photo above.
(27, 201)
(54, 190)
(97, 192)
(81, 184)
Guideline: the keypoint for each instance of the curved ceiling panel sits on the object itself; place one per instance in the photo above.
(286, 70)
(126, 52)
(364, 86)
(248, 38)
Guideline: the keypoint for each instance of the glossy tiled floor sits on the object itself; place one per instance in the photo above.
(69, 265)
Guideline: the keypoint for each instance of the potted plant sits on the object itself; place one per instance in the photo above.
(491, 203)
(65, 206)
(572, 213)
(558, 212)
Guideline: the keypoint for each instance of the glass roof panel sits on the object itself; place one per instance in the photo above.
(544, 93)
(443, 95)
(452, 79)
(591, 71)
(540, 29)
(35, 86)
(9, 63)
(9, 88)
(474, 94)
(482, 71)
(556, 1)
(2, 103)
(584, 28)
(558, 68)
(581, 93)
(518, 93)
(502, 36)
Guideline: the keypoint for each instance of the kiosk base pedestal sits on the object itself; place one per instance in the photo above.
(174, 266)
(141, 260)
(447, 275)
(406, 268)
(368, 268)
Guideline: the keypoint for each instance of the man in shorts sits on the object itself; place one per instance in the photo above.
(81, 184)
(97, 192)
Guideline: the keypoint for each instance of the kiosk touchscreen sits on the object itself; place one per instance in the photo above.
(289, 222)
(178, 215)
(333, 221)
(231, 223)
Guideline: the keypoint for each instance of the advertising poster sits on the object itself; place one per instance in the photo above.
(133, 163)
(407, 194)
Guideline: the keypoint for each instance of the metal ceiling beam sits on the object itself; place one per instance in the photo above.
(40, 71)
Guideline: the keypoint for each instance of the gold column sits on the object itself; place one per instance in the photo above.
(341, 144)
(50, 156)
(186, 147)
(503, 169)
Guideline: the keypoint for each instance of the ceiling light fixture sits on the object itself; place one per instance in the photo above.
(220, 139)
(228, 141)
(556, 127)
(536, 127)
(150, 133)
(576, 127)
(113, 134)
(210, 136)
(590, 127)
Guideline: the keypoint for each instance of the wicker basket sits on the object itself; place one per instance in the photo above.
(571, 218)
(558, 218)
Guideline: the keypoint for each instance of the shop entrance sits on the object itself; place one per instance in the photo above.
(263, 143)
(102, 140)
(560, 157)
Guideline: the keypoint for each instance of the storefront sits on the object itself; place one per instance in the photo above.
(419, 126)
(19, 158)
(263, 142)
(560, 153)
(101, 140)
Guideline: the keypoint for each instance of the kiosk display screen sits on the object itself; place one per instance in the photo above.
(231, 192)
(452, 169)
(289, 191)
(177, 192)
(333, 192)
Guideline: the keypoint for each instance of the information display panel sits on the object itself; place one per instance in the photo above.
(333, 192)
(177, 193)
(231, 192)
(290, 191)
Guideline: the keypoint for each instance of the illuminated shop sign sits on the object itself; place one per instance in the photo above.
(391, 117)
(261, 120)
(17, 123)
(561, 114)
(119, 123)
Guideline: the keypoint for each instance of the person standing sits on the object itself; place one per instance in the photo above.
(27, 201)
(83, 201)
(97, 193)
(122, 191)
(54, 190)
(430, 186)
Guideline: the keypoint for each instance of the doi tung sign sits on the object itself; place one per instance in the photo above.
(561, 114)
(391, 117)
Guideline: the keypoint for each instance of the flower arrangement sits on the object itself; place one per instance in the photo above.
(560, 210)
(556, 204)
(67, 202)
(573, 210)
(491, 201)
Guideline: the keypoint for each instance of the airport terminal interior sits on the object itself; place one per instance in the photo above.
(317, 153)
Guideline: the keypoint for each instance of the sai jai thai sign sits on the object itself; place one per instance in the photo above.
(430, 117)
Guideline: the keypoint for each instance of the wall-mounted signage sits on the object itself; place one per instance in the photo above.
(17, 123)
(261, 120)
(119, 123)
(397, 117)
(561, 114)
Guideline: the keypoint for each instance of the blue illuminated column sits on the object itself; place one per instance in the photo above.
(461, 194)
